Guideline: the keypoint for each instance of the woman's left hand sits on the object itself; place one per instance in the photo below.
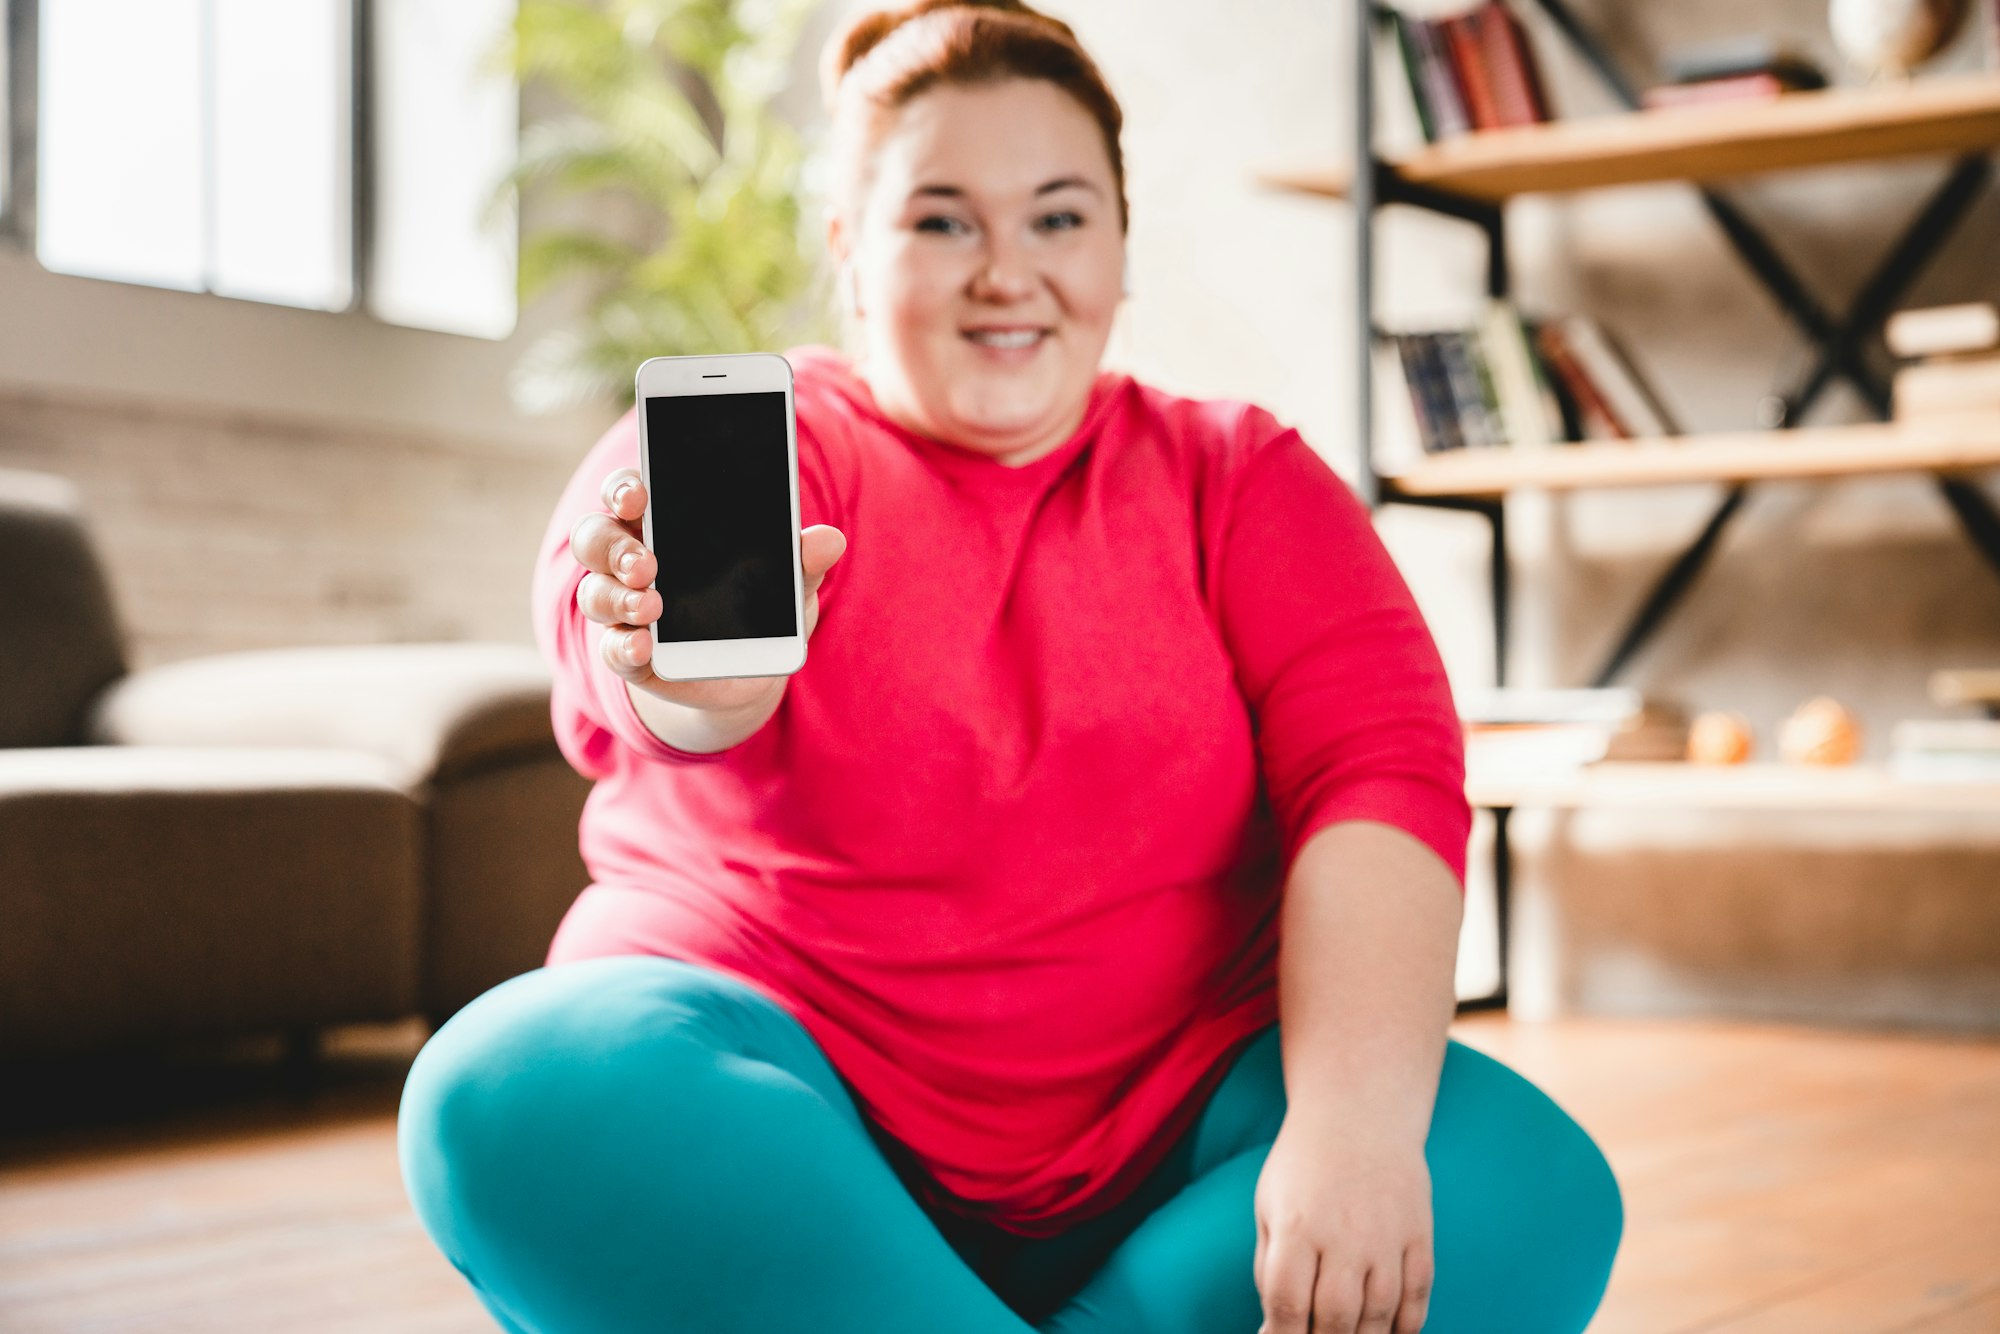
(1343, 1231)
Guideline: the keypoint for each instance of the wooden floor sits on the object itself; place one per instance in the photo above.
(1777, 1181)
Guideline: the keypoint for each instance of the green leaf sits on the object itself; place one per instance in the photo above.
(730, 265)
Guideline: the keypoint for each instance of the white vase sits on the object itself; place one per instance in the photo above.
(1892, 37)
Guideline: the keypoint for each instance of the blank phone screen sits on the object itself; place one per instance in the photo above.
(722, 516)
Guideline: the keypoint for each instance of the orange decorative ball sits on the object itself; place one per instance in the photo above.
(1719, 738)
(1821, 731)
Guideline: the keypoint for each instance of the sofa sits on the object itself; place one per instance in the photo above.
(255, 842)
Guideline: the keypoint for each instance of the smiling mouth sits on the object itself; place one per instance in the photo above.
(1006, 338)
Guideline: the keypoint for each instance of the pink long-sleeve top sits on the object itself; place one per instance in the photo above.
(1012, 847)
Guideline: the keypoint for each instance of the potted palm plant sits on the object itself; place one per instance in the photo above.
(672, 186)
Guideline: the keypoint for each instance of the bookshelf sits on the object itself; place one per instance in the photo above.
(1632, 785)
(1745, 456)
(1704, 143)
(1472, 176)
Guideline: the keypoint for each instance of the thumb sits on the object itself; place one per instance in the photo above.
(819, 547)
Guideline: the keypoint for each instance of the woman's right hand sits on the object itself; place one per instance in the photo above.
(616, 594)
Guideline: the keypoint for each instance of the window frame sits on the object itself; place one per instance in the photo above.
(18, 45)
(20, 48)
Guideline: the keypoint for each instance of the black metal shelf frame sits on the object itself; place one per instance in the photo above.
(1838, 346)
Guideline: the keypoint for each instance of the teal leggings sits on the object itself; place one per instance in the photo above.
(643, 1143)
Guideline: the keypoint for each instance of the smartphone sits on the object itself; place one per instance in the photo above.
(718, 449)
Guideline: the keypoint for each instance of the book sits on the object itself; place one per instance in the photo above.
(1736, 88)
(1562, 404)
(1944, 331)
(1510, 62)
(1538, 88)
(1470, 70)
(1477, 429)
(1511, 733)
(1659, 732)
(1556, 418)
(1402, 122)
(1475, 80)
(1532, 750)
(1516, 383)
(1947, 735)
(1923, 767)
(1945, 750)
(1489, 389)
(1399, 435)
(1748, 53)
(1655, 731)
(1947, 388)
(1424, 372)
(1610, 367)
(1503, 78)
(1438, 367)
(1430, 431)
(1411, 59)
(1438, 88)
(1476, 388)
(1597, 418)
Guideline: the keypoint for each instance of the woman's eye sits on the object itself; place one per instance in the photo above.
(1075, 219)
(943, 224)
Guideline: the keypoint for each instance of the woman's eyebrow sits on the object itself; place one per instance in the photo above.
(1060, 183)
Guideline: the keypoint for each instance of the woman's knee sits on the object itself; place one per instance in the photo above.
(1550, 1148)
(1524, 1196)
(539, 1079)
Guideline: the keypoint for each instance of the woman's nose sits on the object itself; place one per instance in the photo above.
(1005, 274)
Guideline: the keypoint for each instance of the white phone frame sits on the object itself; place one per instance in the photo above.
(725, 373)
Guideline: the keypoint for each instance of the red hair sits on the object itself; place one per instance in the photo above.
(884, 59)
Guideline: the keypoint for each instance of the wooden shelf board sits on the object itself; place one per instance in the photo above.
(1636, 786)
(1956, 114)
(1940, 445)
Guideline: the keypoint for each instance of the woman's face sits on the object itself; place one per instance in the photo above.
(989, 261)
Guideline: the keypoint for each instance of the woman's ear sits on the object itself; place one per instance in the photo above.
(846, 280)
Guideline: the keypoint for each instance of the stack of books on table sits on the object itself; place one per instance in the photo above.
(1509, 380)
(1946, 750)
(1517, 732)
(1742, 69)
(1951, 361)
(1469, 71)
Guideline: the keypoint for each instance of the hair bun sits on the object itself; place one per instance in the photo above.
(866, 32)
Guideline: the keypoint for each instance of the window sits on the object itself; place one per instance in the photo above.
(215, 146)
(446, 132)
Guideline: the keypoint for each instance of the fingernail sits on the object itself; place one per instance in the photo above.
(632, 605)
(618, 493)
(627, 561)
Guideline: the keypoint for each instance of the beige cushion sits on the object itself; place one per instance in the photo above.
(430, 710)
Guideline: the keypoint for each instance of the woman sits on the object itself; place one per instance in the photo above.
(936, 987)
